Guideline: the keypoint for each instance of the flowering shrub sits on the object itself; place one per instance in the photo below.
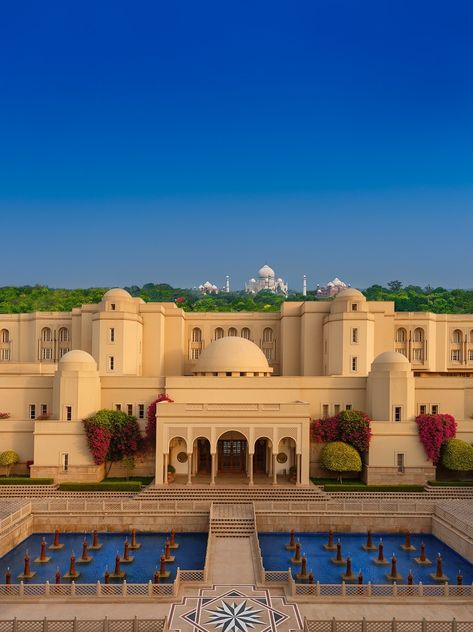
(150, 430)
(350, 426)
(5, 415)
(433, 431)
(112, 435)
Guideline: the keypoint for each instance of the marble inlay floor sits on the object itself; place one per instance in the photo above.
(243, 608)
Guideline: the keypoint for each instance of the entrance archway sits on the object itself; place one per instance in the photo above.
(203, 456)
(232, 449)
(262, 456)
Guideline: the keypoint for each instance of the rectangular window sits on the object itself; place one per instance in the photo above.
(337, 408)
(68, 413)
(470, 355)
(269, 354)
(348, 406)
(65, 461)
(354, 307)
(112, 306)
(32, 411)
(455, 355)
(46, 354)
(111, 363)
(397, 413)
(4, 354)
(111, 334)
(195, 354)
(422, 409)
(354, 364)
(325, 346)
(129, 409)
(354, 335)
(44, 409)
(435, 409)
(400, 462)
(141, 411)
(118, 407)
(325, 411)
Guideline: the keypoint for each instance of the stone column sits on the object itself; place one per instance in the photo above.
(250, 468)
(299, 463)
(275, 476)
(270, 460)
(214, 468)
(189, 469)
(166, 457)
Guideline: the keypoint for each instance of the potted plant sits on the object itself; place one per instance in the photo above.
(171, 473)
(292, 473)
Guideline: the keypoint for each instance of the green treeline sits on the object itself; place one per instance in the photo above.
(411, 298)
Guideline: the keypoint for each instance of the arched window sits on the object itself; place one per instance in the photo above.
(232, 332)
(245, 333)
(418, 334)
(401, 335)
(46, 334)
(457, 336)
(64, 334)
(5, 335)
(196, 335)
(219, 333)
(268, 334)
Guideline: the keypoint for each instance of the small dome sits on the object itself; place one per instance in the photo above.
(232, 354)
(118, 294)
(391, 360)
(350, 292)
(265, 272)
(77, 359)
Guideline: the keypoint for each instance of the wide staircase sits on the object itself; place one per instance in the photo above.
(233, 494)
(232, 520)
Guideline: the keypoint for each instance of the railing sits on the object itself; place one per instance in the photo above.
(454, 520)
(25, 591)
(15, 516)
(110, 506)
(381, 590)
(84, 625)
(278, 577)
(391, 625)
(191, 576)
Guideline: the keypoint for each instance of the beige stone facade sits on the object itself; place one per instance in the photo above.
(243, 385)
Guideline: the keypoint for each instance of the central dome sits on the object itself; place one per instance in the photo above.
(232, 356)
(265, 272)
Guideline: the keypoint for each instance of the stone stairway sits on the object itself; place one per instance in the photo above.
(232, 520)
(233, 494)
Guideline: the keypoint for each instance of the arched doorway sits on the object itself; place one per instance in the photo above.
(203, 456)
(262, 456)
(232, 449)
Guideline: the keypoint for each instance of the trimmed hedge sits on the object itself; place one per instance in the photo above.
(106, 486)
(457, 455)
(25, 480)
(144, 480)
(451, 483)
(372, 488)
(338, 456)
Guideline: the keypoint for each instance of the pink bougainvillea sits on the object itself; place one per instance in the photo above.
(151, 420)
(350, 426)
(433, 431)
(98, 439)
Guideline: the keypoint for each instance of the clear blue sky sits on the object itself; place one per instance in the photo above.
(180, 141)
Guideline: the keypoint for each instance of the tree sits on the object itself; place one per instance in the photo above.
(339, 457)
(9, 458)
(457, 455)
(433, 431)
(395, 286)
(112, 435)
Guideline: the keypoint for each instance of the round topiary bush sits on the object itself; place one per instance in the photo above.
(338, 456)
(9, 458)
(457, 455)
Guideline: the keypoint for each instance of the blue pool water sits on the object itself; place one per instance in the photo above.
(189, 555)
(275, 556)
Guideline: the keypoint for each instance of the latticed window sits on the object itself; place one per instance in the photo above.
(46, 334)
(457, 336)
(64, 334)
(268, 334)
(219, 333)
(401, 335)
(245, 333)
(195, 354)
(5, 335)
(418, 334)
(232, 332)
(196, 335)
